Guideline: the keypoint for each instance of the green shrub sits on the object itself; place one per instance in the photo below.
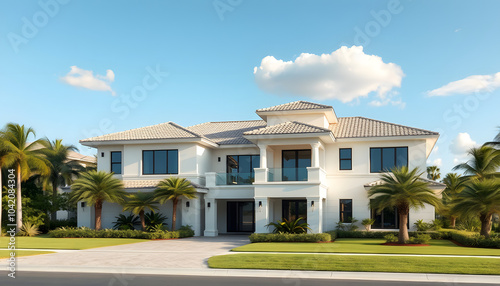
(185, 231)
(367, 222)
(349, 225)
(422, 226)
(420, 238)
(154, 219)
(363, 234)
(292, 226)
(437, 224)
(390, 238)
(290, 237)
(475, 240)
(126, 222)
(29, 229)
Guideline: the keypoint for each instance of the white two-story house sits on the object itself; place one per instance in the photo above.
(299, 160)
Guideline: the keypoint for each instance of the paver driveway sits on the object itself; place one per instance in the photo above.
(190, 252)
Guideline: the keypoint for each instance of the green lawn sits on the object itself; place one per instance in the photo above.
(6, 253)
(368, 245)
(290, 261)
(44, 242)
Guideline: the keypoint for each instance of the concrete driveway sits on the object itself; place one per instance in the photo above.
(184, 253)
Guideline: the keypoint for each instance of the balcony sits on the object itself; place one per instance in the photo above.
(287, 174)
(226, 179)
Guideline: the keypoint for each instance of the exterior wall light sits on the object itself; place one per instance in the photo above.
(187, 204)
(208, 204)
(102, 154)
(260, 204)
(312, 204)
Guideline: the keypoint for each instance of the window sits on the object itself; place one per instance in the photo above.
(345, 156)
(116, 162)
(160, 162)
(387, 219)
(346, 210)
(294, 209)
(240, 169)
(384, 159)
(294, 164)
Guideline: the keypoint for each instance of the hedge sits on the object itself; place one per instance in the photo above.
(445, 234)
(475, 240)
(290, 237)
(84, 232)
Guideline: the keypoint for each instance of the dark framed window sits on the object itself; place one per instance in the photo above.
(294, 209)
(160, 162)
(387, 219)
(240, 169)
(345, 159)
(116, 162)
(294, 164)
(346, 210)
(384, 159)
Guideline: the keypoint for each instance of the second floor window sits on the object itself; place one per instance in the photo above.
(295, 163)
(116, 162)
(384, 159)
(345, 156)
(160, 162)
(346, 210)
(240, 168)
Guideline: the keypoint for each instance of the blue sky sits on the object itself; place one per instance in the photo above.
(193, 61)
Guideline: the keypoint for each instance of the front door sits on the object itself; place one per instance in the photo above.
(294, 209)
(241, 216)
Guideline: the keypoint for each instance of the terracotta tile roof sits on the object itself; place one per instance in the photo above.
(228, 132)
(356, 127)
(296, 105)
(168, 130)
(291, 127)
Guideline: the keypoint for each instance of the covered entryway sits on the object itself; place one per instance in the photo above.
(240, 216)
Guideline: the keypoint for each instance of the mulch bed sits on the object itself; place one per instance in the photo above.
(408, 244)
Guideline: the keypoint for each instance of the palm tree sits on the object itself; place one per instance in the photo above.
(173, 189)
(402, 189)
(480, 198)
(484, 163)
(454, 185)
(138, 203)
(496, 140)
(433, 173)
(62, 170)
(2, 159)
(95, 188)
(24, 157)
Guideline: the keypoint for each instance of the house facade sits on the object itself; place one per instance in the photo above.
(299, 160)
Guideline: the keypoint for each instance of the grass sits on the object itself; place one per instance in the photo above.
(290, 261)
(367, 245)
(45, 242)
(6, 253)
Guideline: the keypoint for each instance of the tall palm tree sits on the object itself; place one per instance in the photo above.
(174, 188)
(496, 141)
(62, 170)
(24, 157)
(484, 163)
(433, 173)
(95, 188)
(480, 198)
(402, 189)
(138, 203)
(454, 185)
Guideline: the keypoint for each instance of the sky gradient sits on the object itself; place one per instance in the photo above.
(75, 69)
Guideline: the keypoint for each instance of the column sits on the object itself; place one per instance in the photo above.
(211, 218)
(191, 213)
(315, 155)
(263, 156)
(315, 214)
(261, 214)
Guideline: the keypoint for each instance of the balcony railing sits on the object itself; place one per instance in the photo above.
(224, 179)
(287, 174)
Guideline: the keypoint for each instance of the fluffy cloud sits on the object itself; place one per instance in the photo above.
(346, 74)
(83, 78)
(460, 146)
(471, 84)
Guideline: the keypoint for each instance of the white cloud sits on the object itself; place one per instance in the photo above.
(346, 74)
(84, 78)
(460, 146)
(468, 85)
(438, 162)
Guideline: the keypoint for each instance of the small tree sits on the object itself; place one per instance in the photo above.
(137, 203)
(174, 189)
(95, 188)
(402, 189)
(454, 185)
(433, 173)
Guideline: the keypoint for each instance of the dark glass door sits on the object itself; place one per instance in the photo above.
(293, 209)
(240, 216)
(294, 164)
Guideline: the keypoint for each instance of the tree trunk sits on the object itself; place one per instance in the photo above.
(453, 220)
(98, 212)
(485, 225)
(53, 215)
(403, 236)
(143, 221)
(174, 214)
(19, 205)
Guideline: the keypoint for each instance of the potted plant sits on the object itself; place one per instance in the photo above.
(367, 223)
